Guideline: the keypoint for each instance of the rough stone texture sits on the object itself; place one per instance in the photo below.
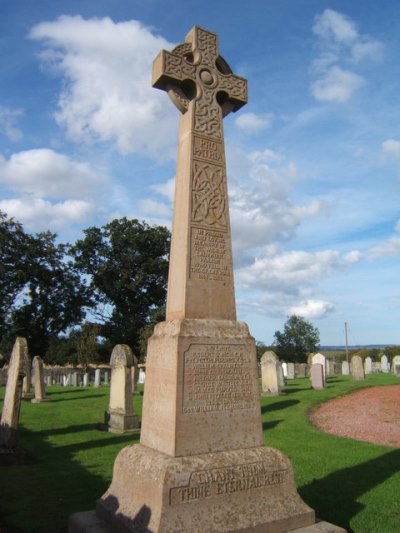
(345, 368)
(357, 368)
(317, 376)
(26, 384)
(319, 359)
(121, 417)
(396, 365)
(13, 393)
(269, 378)
(368, 365)
(249, 489)
(290, 371)
(384, 364)
(38, 381)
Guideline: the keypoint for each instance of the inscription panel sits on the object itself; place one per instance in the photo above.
(222, 481)
(217, 377)
(209, 255)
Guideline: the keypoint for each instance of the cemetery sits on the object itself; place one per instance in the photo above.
(201, 437)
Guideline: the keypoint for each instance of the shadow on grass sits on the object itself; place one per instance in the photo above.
(295, 389)
(278, 405)
(271, 424)
(74, 399)
(335, 496)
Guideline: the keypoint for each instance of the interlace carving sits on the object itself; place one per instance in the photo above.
(209, 195)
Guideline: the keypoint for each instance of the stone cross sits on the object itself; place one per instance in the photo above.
(202, 86)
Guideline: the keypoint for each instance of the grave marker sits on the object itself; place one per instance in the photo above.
(38, 381)
(357, 368)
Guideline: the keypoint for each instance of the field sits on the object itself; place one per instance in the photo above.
(352, 484)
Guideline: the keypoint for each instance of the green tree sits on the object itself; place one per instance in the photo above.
(41, 292)
(86, 344)
(298, 339)
(126, 266)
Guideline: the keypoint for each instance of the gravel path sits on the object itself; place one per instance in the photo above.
(371, 415)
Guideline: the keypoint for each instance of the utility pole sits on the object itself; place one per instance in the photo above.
(347, 348)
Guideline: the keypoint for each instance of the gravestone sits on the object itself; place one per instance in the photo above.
(281, 377)
(86, 379)
(270, 377)
(284, 369)
(106, 377)
(357, 368)
(396, 365)
(301, 370)
(368, 365)
(135, 374)
(269, 356)
(290, 371)
(319, 359)
(328, 367)
(201, 464)
(121, 416)
(9, 454)
(27, 381)
(384, 364)
(74, 379)
(345, 368)
(97, 377)
(317, 376)
(38, 381)
(142, 376)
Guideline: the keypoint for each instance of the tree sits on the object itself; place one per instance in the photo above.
(298, 339)
(126, 266)
(41, 292)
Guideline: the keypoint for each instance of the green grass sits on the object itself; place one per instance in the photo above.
(350, 483)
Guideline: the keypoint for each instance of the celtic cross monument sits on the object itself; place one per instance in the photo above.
(201, 465)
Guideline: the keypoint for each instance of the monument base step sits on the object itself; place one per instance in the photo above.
(89, 522)
(250, 490)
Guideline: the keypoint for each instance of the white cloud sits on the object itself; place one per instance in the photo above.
(165, 189)
(389, 247)
(252, 123)
(332, 25)
(151, 207)
(8, 119)
(312, 309)
(45, 173)
(391, 147)
(337, 85)
(368, 49)
(107, 96)
(38, 214)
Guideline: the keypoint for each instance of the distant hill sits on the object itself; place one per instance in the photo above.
(353, 347)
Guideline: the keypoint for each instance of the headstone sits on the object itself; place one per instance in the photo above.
(396, 365)
(384, 364)
(345, 368)
(97, 376)
(86, 379)
(284, 369)
(134, 374)
(317, 376)
(357, 368)
(12, 397)
(201, 463)
(269, 356)
(281, 378)
(106, 377)
(328, 367)
(27, 381)
(270, 377)
(302, 370)
(142, 376)
(368, 365)
(121, 417)
(38, 376)
(290, 371)
(319, 359)
(74, 379)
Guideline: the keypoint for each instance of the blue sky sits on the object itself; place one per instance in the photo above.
(313, 159)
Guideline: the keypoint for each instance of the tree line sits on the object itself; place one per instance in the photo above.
(74, 302)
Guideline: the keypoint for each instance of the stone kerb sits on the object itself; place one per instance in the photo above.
(121, 416)
(357, 368)
(39, 385)
(12, 397)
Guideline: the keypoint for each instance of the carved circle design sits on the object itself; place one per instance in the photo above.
(206, 77)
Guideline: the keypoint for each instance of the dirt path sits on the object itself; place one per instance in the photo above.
(372, 415)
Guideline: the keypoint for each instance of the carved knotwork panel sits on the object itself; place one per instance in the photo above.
(207, 116)
(209, 195)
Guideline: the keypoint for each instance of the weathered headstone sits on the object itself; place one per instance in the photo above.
(384, 364)
(106, 377)
(201, 463)
(142, 376)
(319, 359)
(27, 381)
(301, 370)
(317, 376)
(396, 365)
(345, 368)
(281, 378)
(38, 381)
(135, 374)
(12, 402)
(357, 368)
(86, 379)
(368, 365)
(121, 416)
(270, 377)
(328, 367)
(284, 366)
(290, 371)
(97, 377)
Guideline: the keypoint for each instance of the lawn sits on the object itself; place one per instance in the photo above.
(352, 484)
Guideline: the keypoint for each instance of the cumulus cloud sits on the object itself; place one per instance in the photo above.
(340, 43)
(38, 214)
(251, 123)
(260, 206)
(389, 247)
(8, 119)
(312, 309)
(45, 173)
(391, 147)
(336, 85)
(106, 71)
(166, 189)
